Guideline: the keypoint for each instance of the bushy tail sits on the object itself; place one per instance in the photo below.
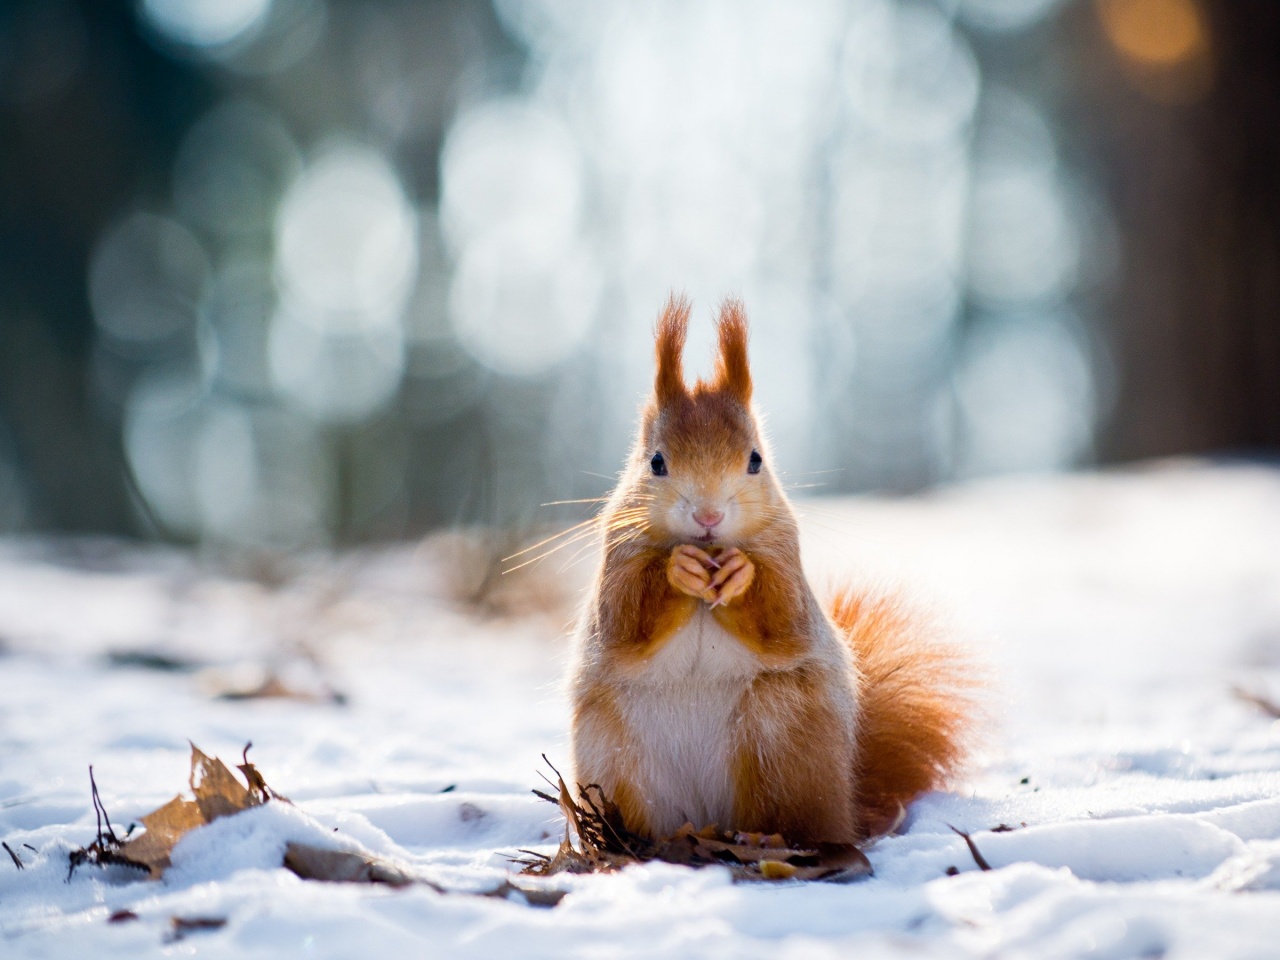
(917, 710)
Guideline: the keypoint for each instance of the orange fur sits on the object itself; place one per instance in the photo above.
(772, 618)
(598, 713)
(673, 326)
(916, 704)
(795, 792)
(709, 681)
(647, 609)
(733, 373)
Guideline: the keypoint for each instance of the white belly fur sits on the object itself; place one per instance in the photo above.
(681, 709)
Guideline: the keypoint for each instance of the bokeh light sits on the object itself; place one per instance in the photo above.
(1023, 244)
(519, 310)
(1025, 394)
(204, 23)
(510, 168)
(346, 262)
(471, 259)
(1155, 32)
(334, 374)
(162, 423)
(908, 74)
(346, 241)
(524, 292)
(146, 279)
(238, 306)
(1006, 16)
(232, 168)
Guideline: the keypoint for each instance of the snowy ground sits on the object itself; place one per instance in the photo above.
(1117, 611)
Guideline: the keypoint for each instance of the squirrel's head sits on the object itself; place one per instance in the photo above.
(700, 469)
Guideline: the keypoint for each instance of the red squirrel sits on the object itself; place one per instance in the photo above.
(709, 685)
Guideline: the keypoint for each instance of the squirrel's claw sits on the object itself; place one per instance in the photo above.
(701, 556)
(733, 578)
(686, 572)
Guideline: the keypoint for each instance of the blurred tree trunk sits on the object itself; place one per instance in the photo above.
(1195, 321)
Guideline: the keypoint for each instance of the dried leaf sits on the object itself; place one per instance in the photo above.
(603, 843)
(164, 828)
(257, 785)
(888, 824)
(533, 896)
(218, 793)
(181, 926)
(777, 870)
(150, 660)
(341, 866)
(272, 687)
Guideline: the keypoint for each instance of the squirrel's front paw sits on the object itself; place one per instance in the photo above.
(734, 576)
(689, 571)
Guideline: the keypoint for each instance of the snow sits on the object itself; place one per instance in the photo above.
(1116, 610)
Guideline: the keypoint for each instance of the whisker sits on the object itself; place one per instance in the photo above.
(578, 556)
(557, 536)
(810, 473)
(542, 556)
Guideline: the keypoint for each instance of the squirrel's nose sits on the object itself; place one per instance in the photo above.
(708, 516)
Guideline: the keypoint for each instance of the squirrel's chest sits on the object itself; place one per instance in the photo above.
(681, 709)
(700, 651)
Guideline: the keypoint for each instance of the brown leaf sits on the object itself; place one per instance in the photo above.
(1266, 705)
(598, 840)
(217, 791)
(342, 866)
(746, 852)
(164, 828)
(887, 823)
(272, 687)
(217, 794)
(181, 926)
(844, 857)
(257, 784)
(760, 839)
(777, 870)
(533, 896)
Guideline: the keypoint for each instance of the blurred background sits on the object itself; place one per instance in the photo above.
(281, 273)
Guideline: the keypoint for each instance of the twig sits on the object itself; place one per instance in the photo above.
(100, 811)
(17, 860)
(1269, 707)
(105, 849)
(978, 858)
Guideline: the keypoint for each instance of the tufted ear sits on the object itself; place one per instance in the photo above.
(733, 374)
(673, 326)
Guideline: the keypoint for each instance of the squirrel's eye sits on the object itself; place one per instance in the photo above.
(754, 462)
(658, 465)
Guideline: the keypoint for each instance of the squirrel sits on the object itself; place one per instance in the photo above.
(709, 685)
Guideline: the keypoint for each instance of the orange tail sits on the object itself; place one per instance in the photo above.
(917, 705)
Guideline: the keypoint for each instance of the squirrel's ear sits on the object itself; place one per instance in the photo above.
(672, 328)
(732, 371)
